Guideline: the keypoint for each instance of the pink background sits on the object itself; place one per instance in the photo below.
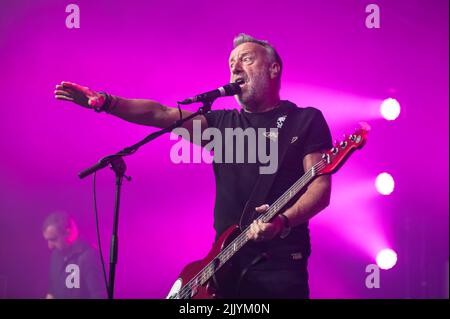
(169, 50)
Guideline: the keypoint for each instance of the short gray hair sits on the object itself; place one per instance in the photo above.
(245, 38)
(61, 220)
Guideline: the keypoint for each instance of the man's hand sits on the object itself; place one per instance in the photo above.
(260, 231)
(139, 111)
(78, 94)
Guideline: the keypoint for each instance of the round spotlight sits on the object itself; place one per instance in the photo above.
(384, 184)
(390, 109)
(386, 259)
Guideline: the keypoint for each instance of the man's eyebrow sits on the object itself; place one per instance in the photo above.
(241, 55)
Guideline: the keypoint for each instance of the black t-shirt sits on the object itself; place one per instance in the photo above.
(86, 260)
(235, 181)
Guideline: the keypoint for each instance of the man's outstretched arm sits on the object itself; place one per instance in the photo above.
(139, 111)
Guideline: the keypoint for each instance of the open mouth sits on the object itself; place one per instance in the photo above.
(240, 81)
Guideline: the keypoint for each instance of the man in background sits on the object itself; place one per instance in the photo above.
(75, 271)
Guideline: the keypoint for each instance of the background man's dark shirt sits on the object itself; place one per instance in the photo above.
(91, 281)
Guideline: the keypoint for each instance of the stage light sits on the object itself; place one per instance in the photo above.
(386, 259)
(384, 184)
(390, 109)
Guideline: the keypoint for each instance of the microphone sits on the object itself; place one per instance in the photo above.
(226, 90)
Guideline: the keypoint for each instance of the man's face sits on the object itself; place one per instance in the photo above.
(250, 62)
(55, 238)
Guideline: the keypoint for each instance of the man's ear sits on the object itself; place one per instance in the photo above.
(275, 70)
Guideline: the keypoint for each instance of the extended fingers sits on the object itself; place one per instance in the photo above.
(62, 92)
(63, 97)
(76, 87)
(71, 85)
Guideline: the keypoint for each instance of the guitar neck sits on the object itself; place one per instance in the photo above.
(331, 161)
(271, 212)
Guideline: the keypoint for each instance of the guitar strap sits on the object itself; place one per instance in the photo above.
(290, 127)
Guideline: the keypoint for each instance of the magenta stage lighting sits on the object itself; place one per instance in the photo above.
(385, 184)
(390, 109)
(386, 259)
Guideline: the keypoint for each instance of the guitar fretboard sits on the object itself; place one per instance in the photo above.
(208, 271)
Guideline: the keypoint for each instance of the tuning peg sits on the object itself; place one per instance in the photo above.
(326, 157)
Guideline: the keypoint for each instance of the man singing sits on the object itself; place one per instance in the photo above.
(274, 263)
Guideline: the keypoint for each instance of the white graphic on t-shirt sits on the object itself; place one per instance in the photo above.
(280, 121)
(272, 135)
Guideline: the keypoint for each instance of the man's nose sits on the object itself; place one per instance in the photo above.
(237, 68)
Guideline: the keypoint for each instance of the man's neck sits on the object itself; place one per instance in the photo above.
(265, 106)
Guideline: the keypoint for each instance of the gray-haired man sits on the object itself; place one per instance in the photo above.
(283, 271)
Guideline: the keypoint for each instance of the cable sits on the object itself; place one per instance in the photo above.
(179, 111)
(98, 234)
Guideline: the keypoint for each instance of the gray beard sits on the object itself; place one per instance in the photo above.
(250, 99)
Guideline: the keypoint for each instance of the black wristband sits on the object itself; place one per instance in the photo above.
(106, 104)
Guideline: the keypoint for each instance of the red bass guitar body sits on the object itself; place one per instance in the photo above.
(215, 276)
(190, 285)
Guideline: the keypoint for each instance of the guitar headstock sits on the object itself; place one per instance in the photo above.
(333, 159)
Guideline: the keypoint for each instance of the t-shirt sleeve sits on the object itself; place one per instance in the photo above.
(318, 136)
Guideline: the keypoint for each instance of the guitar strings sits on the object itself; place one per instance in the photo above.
(241, 239)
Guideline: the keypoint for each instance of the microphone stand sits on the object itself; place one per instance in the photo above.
(119, 167)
